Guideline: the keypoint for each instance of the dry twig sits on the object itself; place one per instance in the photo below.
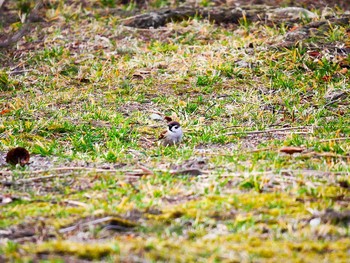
(66, 168)
(335, 139)
(59, 169)
(331, 155)
(239, 152)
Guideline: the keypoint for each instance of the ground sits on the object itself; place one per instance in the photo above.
(86, 95)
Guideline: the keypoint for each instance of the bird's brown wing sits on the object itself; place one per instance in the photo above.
(162, 135)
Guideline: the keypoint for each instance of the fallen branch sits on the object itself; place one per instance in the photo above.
(18, 35)
(218, 15)
(304, 32)
(93, 222)
(337, 98)
(114, 223)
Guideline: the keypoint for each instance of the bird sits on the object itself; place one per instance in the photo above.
(172, 135)
(18, 155)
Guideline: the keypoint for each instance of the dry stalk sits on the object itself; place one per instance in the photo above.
(271, 130)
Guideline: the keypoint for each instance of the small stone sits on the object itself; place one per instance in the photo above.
(315, 222)
(156, 117)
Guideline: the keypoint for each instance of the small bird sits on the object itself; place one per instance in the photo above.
(18, 155)
(172, 135)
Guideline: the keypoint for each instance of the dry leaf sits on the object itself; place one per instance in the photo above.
(343, 71)
(291, 149)
(4, 111)
(326, 78)
(315, 54)
(168, 118)
(294, 28)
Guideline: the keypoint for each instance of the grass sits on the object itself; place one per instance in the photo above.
(83, 96)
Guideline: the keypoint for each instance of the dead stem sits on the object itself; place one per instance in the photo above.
(40, 178)
(334, 139)
(271, 130)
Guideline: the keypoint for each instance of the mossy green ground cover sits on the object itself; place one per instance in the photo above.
(79, 93)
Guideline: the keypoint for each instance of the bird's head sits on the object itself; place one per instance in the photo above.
(174, 126)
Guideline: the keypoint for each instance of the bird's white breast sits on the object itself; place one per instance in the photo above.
(175, 135)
